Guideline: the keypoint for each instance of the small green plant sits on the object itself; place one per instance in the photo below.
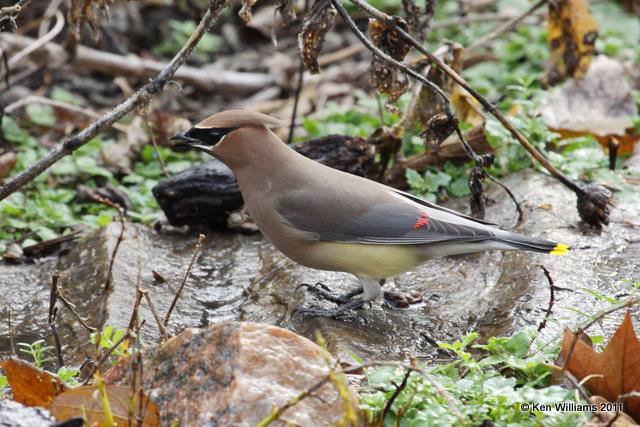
(39, 352)
(471, 390)
(180, 33)
(108, 338)
(69, 376)
(4, 386)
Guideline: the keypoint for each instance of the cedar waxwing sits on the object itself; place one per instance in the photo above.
(331, 220)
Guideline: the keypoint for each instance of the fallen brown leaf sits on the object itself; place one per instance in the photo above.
(600, 104)
(316, 25)
(7, 163)
(29, 385)
(615, 371)
(85, 401)
(572, 38)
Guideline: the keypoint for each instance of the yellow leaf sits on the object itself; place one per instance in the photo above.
(572, 38)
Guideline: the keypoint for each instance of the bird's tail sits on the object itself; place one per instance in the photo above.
(528, 243)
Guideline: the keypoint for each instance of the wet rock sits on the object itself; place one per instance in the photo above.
(201, 195)
(242, 277)
(235, 374)
(207, 193)
(14, 414)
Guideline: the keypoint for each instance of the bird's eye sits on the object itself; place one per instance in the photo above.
(210, 136)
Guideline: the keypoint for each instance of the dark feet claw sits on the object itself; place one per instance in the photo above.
(341, 311)
(321, 291)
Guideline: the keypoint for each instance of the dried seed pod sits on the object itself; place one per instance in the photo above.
(287, 11)
(316, 26)
(245, 11)
(594, 205)
(385, 77)
(439, 127)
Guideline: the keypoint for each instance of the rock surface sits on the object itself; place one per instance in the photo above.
(14, 414)
(236, 374)
(242, 277)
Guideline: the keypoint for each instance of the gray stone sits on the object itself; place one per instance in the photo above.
(242, 277)
(236, 374)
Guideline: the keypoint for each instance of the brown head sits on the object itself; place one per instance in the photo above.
(234, 136)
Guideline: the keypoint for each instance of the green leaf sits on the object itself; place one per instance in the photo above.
(40, 114)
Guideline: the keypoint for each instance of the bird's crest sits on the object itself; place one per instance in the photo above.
(238, 119)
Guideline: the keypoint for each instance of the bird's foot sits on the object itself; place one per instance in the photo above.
(341, 311)
(402, 299)
(323, 292)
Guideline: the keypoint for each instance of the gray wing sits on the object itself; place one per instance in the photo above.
(394, 219)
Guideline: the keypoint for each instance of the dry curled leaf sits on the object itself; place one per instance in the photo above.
(572, 38)
(287, 11)
(314, 29)
(7, 163)
(428, 102)
(417, 20)
(385, 77)
(245, 11)
(29, 385)
(438, 128)
(85, 11)
(613, 372)
(85, 401)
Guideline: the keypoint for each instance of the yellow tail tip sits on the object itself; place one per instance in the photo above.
(560, 249)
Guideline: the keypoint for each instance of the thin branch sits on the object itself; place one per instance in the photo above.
(507, 26)
(552, 297)
(408, 71)
(15, 59)
(184, 280)
(152, 307)
(396, 393)
(389, 21)
(12, 342)
(53, 311)
(595, 318)
(296, 99)
(72, 143)
(34, 99)
(10, 12)
(72, 309)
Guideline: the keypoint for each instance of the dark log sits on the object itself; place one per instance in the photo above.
(204, 195)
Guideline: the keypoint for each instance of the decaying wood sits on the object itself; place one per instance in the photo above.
(206, 78)
(204, 195)
(451, 150)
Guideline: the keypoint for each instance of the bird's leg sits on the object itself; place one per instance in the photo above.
(322, 291)
(370, 290)
(332, 312)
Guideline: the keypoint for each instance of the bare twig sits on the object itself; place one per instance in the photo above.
(12, 342)
(595, 318)
(552, 297)
(53, 311)
(72, 309)
(152, 307)
(184, 280)
(104, 357)
(277, 412)
(15, 59)
(296, 99)
(390, 22)
(72, 143)
(152, 137)
(10, 12)
(208, 78)
(507, 26)
(34, 99)
(402, 67)
(396, 393)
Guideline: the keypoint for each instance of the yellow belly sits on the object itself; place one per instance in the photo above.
(364, 260)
